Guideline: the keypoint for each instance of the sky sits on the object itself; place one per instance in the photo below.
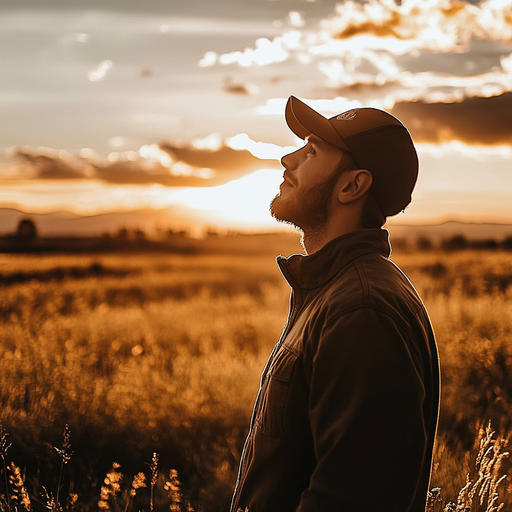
(178, 106)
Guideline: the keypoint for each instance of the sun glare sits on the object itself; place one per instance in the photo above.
(244, 201)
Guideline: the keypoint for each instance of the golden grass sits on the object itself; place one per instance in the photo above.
(162, 353)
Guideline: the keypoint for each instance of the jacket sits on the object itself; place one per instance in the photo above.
(346, 413)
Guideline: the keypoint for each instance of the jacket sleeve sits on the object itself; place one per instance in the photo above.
(366, 417)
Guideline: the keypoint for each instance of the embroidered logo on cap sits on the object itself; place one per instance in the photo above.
(347, 116)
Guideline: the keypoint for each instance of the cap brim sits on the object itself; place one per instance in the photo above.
(303, 121)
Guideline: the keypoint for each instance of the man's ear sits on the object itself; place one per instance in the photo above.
(353, 185)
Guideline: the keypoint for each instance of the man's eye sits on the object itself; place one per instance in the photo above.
(312, 151)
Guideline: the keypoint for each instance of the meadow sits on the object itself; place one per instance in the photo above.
(161, 353)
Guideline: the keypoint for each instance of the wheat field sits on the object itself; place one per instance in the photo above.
(161, 353)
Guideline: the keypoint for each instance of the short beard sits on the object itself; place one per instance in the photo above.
(309, 209)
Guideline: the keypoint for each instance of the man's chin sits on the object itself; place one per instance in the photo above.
(278, 211)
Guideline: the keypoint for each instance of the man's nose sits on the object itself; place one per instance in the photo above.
(289, 161)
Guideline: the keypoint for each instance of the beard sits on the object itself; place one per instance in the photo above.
(306, 209)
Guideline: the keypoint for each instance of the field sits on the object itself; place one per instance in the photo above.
(144, 353)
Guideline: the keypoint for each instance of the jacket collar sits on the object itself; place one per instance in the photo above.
(314, 270)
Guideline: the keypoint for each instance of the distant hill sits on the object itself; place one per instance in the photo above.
(65, 223)
(449, 229)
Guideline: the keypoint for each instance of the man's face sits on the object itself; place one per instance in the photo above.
(306, 194)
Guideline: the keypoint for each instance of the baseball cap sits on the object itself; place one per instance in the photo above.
(378, 141)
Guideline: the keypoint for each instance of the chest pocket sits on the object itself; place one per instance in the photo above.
(275, 390)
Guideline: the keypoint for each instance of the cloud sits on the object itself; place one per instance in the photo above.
(46, 163)
(238, 88)
(383, 83)
(265, 52)
(99, 73)
(363, 43)
(261, 150)
(203, 163)
(226, 162)
(473, 121)
(132, 173)
(437, 25)
(296, 19)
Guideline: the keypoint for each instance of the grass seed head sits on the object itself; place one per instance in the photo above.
(154, 469)
(72, 499)
(139, 481)
(450, 507)
(173, 488)
(18, 487)
(4, 445)
(50, 502)
(65, 452)
(112, 486)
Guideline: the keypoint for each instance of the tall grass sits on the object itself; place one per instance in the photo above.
(162, 353)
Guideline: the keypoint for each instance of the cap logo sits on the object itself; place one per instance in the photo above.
(347, 116)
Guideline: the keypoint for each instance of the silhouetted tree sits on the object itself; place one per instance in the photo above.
(26, 228)
(507, 243)
(140, 235)
(424, 243)
(456, 243)
(401, 244)
(487, 244)
(122, 234)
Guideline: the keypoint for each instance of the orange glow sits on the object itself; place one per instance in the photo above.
(242, 202)
(450, 172)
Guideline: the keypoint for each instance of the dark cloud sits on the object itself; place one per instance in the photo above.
(132, 173)
(474, 120)
(232, 87)
(47, 164)
(227, 164)
(223, 160)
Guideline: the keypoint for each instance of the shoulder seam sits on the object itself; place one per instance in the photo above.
(347, 311)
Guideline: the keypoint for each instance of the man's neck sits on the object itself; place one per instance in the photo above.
(312, 241)
(314, 238)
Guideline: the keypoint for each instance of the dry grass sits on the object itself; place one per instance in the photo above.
(162, 353)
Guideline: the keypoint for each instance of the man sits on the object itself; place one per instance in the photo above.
(346, 413)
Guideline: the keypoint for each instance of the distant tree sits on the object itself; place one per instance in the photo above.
(507, 243)
(424, 243)
(122, 234)
(488, 244)
(456, 243)
(26, 228)
(401, 244)
(139, 235)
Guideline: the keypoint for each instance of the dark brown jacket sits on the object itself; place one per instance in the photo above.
(346, 414)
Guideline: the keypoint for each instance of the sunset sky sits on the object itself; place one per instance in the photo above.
(178, 105)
